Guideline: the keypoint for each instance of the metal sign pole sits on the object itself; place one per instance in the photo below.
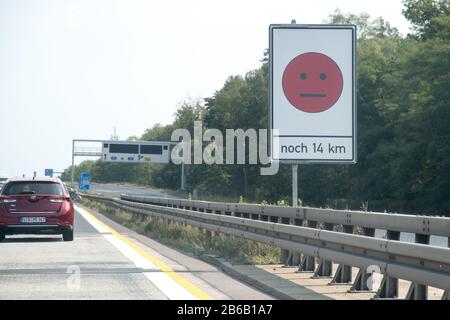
(182, 177)
(295, 185)
(73, 162)
(291, 258)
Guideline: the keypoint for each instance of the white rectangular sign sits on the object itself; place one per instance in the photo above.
(136, 151)
(312, 94)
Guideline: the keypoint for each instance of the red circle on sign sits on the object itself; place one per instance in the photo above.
(312, 82)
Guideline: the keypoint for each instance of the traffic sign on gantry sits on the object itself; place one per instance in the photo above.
(312, 96)
(136, 151)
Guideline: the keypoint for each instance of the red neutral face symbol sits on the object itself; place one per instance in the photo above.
(312, 82)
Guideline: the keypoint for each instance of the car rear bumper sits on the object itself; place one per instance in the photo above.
(34, 229)
(54, 222)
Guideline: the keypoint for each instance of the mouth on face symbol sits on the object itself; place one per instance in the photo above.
(313, 95)
(312, 82)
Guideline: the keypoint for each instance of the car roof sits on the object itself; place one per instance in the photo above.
(38, 179)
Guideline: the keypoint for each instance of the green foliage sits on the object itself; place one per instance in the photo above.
(282, 202)
(365, 27)
(111, 172)
(430, 18)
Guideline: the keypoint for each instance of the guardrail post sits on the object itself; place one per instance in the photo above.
(419, 291)
(325, 267)
(308, 263)
(287, 255)
(297, 256)
(389, 285)
(274, 220)
(343, 273)
(360, 283)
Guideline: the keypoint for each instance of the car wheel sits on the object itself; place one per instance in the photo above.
(2, 235)
(67, 235)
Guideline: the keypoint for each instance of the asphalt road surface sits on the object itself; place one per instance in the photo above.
(115, 190)
(108, 261)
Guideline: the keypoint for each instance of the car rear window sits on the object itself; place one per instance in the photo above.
(24, 188)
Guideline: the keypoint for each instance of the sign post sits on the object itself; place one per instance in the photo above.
(183, 177)
(312, 95)
(294, 185)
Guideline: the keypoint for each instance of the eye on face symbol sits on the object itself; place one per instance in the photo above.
(312, 82)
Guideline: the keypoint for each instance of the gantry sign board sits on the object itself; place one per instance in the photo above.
(136, 151)
(312, 94)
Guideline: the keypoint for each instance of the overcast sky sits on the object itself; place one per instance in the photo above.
(75, 69)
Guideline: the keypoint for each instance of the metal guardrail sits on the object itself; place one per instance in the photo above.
(427, 225)
(422, 264)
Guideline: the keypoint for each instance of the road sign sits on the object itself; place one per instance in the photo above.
(312, 93)
(49, 173)
(85, 181)
(136, 151)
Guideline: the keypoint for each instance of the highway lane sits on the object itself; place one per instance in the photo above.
(115, 190)
(108, 261)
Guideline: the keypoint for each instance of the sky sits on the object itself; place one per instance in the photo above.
(75, 69)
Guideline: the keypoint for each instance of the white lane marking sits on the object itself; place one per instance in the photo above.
(170, 288)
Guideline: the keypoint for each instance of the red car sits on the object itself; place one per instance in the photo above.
(36, 206)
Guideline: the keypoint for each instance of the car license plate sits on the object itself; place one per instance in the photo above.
(32, 219)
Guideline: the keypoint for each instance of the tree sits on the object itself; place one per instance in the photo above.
(428, 17)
